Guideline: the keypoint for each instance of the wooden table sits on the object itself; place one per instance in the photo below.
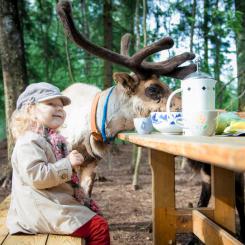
(226, 154)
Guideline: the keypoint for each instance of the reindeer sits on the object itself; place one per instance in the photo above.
(132, 96)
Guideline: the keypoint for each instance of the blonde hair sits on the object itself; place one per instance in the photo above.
(24, 120)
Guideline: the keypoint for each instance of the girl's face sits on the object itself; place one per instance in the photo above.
(50, 113)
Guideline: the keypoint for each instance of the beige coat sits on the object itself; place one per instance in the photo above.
(41, 200)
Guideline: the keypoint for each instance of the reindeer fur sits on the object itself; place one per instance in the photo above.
(128, 100)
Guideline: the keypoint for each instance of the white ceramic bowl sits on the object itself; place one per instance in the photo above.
(165, 123)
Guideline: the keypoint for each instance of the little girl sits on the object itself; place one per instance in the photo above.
(43, 198)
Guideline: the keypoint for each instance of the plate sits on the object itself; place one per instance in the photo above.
(168, 129)
(173, 133)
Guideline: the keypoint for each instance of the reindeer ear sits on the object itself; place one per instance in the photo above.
(128, 82)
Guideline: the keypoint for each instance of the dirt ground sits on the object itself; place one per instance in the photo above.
(128, 211)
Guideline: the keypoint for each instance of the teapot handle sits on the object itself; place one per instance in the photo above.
(170, 98)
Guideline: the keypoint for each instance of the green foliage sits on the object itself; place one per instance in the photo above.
(45, 43)
(234, 21)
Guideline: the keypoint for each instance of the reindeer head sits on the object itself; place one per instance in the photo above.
(146, 95)
(150, 94)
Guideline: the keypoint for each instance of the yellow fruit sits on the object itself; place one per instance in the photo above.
(235, 126)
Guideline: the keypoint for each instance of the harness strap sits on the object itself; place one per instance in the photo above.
(94, 130)
(100, 136)
(103, 133)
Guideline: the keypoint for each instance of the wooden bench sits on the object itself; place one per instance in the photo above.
(23, 239)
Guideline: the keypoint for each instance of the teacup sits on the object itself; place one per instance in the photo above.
(143, 125)
(165, 122)
(198, 123)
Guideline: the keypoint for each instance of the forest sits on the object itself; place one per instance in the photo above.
(34, 48)
(212, 29)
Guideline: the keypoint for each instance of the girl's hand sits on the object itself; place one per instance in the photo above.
(75, 158)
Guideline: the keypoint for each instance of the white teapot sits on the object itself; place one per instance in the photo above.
(197, 92)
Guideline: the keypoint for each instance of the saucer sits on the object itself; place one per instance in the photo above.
(173, 133)
(168, 128)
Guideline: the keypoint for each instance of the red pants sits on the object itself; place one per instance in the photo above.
(95, 231)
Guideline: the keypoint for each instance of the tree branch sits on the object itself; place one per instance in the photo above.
(226, 84)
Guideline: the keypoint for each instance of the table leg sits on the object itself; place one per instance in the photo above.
(223, 184)
(163, 197)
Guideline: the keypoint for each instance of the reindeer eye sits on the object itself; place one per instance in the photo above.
(154, 92)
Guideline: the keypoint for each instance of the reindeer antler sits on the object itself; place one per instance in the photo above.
(135, 63)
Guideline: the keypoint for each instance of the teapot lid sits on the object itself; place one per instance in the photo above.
(198, 75)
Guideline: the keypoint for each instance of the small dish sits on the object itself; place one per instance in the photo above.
(165, 123)
(178, 132)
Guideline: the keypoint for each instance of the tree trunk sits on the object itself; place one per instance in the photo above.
(240, 43)
(68, 60)
(44, 7)
(194, 5)
(205, 35)
(137, 167)
(144, 22)
(137, 23)
(217, 62)
(107, 18)
(85, 28)
(131, 28)
(138, 149)
(217, 71)
(12, 58)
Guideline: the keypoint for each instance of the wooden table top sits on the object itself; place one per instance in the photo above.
(222, 151)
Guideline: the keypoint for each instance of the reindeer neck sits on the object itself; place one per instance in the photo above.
(118, 111)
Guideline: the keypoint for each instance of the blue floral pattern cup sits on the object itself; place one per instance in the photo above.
(143, 125)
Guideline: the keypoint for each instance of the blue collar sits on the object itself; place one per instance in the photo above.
(103, 133)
